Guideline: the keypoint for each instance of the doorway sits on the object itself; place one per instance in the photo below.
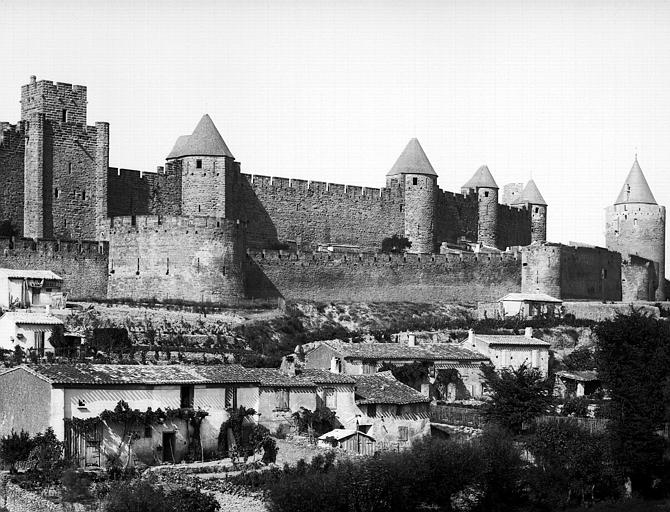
(169, 441)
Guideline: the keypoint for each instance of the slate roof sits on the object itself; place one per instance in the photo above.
(482, 178)
(24, 317)
(531, 194)
(582, 376)
(383, 388)
(274, 377)
(635, 189)
(119, 374)
(13, 273)
(510, 339)
(390, 351)
(530, 297)
(412, 160)
(204, 141)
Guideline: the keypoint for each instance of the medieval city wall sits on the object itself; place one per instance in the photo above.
(187, 258)
(456, 216)
(513, 226)
(638, 279)
(382, 277)
(129, 192)
(12, 154)
(82, 265)
(310, 213)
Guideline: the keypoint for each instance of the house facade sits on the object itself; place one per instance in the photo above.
(30, 288)
(32, 331)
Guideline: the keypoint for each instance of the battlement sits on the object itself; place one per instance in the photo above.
(295, 184)
(10, 133)
(132, 174)
(139, 223)
(88, 247)
(60, 102)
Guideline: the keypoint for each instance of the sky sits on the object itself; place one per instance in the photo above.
(564, 92)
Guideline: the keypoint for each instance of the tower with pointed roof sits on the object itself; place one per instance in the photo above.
(485, 188)
(636, 227)
(206, 166)
(414, 174)
(532, 199)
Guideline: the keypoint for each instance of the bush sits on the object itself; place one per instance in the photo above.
(395, 244)
(576, 406)
(15, 448)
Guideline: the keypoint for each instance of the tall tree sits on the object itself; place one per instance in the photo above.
(634, 364)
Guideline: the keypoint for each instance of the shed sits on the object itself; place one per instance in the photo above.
(530, 305)
(353, 441)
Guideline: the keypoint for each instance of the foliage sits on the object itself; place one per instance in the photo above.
(576, 406)
(250, 438)
(76, 486)
(572, 466)
(581, 358)
(15, 448)
(110, 339)
(318, 422)
(396, 244)
(633, 360)
(516, 396)
(411, 374)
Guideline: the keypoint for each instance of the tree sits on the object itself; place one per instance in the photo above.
(395, 244)
(15, 448)
(633, 363)
(516, 396)
(581, 358)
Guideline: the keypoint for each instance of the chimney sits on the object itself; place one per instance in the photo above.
(288, 365)
(411, 340)
(528, 332)
(335, 365)
(471, 339)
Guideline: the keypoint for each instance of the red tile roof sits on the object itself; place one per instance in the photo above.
(383, 388)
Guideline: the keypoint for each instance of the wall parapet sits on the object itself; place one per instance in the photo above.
(143, 222)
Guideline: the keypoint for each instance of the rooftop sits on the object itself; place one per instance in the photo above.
(342, 433)
(325, 376)
(383, 388)
(531, 195)
(510, 339)
(26, 317)
(12, 273)
(390, 351)
(204, 141)
(412, 160)
(582, 376)
(274, 377)
(635, 189)
(482, 178)
(530, 297)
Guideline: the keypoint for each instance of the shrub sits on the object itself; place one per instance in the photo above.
(15, 448)
(576, 406)
(395, 244)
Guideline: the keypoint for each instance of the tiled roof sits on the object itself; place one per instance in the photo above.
(531, 297)
(509, 339)
(25, 317)
(412, 160)
(325, 377)
(273, 377)
(635, 189)
(583, 376)
(531, 195)
(389, 351)
(380, 388)
(204, 141)
(481, 178)
(343, 433)
(118, 374)
(13, 273)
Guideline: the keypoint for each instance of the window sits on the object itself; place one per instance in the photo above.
(64, 115)
(330, 398)
(537, 209)
(81, 403)
(83, 195)
(415, 181)
(403, 433)
(486, 194)
(401, 207)
(69, 168)
(231, 398)
(369, 367)
(133, 220)
(372, 410)
(56, 193)
(198, 164)
(281, 399)
(186, 397)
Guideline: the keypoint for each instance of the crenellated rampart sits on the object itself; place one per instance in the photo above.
(12, 154)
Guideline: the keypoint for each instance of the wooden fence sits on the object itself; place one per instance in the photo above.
(453, 415)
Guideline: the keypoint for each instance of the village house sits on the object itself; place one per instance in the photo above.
(570, 384)
(511, 351)
(35, 397)
(30, 288)
(530, 305)
(31, 331)
(393, 413)
(450, 371)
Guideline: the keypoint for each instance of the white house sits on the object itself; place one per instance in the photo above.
(29, 330)
(511, 351)
(28, 288)
(530, 305)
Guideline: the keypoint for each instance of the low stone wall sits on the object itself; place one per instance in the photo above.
(598, 311)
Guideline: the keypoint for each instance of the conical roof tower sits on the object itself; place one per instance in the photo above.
(412, 160)
(204, 141)
(531, 195)
(635, 189)
(482, 178)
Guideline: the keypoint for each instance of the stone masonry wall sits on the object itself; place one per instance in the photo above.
(420, 192)
(367, 277)
(83, 266)
(514, 226)
(25, 403)
(129, 192)
(11, 175)
(638, 279)
(312, 213)
(188, 258)
(488, 216)
(456, 216)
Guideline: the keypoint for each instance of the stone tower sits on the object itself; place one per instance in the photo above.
(537, 207)
(484, 186)
(636, 225)
(205, 164)
(414, 174)
(65, 164)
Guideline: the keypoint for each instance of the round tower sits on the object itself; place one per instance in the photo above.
(483, 184)
(537, 208)
(635, 225)
(418, 182)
